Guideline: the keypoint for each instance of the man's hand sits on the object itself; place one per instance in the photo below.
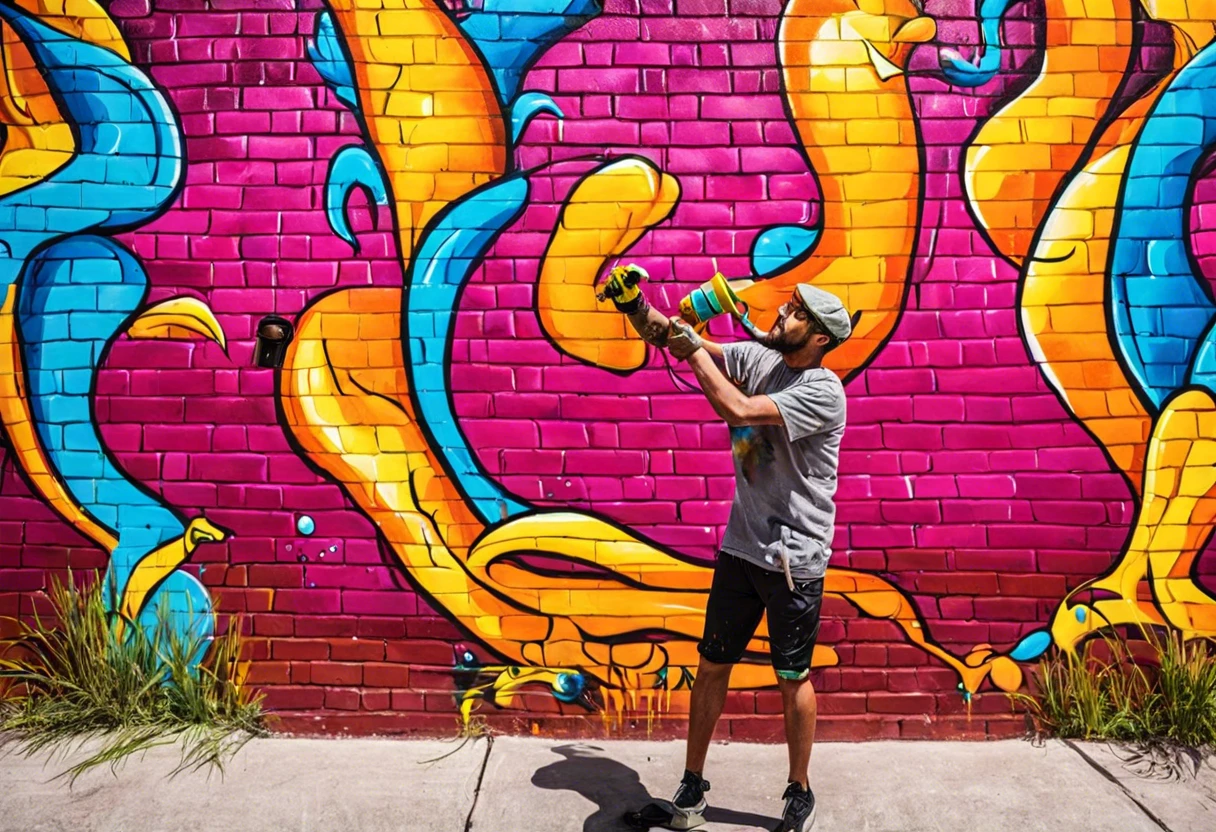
(682, 340)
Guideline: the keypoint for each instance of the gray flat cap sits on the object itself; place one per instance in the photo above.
(827, 309)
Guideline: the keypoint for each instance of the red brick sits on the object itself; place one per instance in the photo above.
(341, 699)
(378, 675)
(356, 650)
(900, 703)
(332, 673)
(300, 649)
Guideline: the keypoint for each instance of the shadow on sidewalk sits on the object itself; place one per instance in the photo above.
(616, 788)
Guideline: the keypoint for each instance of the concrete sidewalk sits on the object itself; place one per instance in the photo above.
(526, 785)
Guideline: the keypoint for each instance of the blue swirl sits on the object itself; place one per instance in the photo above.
(1160, 309)
(352, 167)
(527, 107)
(76, 291)
(325, 53)
(963, 73)
(446, 257)
(512, 34)
(129, 157)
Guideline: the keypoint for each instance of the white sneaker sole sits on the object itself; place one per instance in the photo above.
(688, 818)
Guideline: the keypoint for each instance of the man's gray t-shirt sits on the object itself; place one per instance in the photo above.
(785, 477)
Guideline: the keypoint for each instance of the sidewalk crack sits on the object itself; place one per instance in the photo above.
(1098, 767)
(481, 775)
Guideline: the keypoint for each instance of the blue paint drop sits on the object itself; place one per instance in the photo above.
(1081, 614)
(1031, 646)
(303, 558)
(779, 246)
(306, 525)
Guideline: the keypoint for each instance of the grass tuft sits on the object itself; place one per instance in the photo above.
(1163, 694)
(91, 675)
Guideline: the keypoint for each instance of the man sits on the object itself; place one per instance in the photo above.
(786, 414)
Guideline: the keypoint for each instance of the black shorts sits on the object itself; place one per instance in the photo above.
(741, 593)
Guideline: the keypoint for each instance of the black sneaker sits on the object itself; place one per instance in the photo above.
(799, 814)
(690, 796)
(685, 811)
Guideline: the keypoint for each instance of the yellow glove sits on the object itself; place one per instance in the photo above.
(621, 286)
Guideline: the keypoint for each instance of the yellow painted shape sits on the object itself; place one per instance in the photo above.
(38, 141)
(1064, 284)
(855, 121)
(1180, 488)
(1016, 162)
(1194, 21)
(430, 106)
(23, 437)
(605, 215)
(1175, 523)
(1064, 313)
(177, 318)
(157, 565)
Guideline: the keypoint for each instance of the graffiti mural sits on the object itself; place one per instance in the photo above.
(468, 482)
(92, 149)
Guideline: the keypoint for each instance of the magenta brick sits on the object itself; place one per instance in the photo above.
(355, 602)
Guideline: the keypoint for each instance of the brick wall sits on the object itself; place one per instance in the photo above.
(966, 483)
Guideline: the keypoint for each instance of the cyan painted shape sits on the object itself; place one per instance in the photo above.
(512, 34)
(352, 167)
(445, 260)
(129, 158)
(1180, 130)
(963, 73)
(776, 247)
(325, 52)
(527, 107)
(1031, 646)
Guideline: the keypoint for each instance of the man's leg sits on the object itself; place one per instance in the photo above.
(708, 698)
(732, 613)
(798, 697)
(793, 622)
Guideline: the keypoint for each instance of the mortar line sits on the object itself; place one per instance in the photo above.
(485, 761)
(1098, 767)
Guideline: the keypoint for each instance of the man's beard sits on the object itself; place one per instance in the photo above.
(777, 339)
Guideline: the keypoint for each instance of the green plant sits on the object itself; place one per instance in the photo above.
(1163, 693)
(92, 675)
(1183, 710)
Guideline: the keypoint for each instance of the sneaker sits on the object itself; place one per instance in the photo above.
(690, 796)
(685, 811)
(799, 814)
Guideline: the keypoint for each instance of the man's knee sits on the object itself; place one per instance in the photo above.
(713, 670)
(793, 678)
